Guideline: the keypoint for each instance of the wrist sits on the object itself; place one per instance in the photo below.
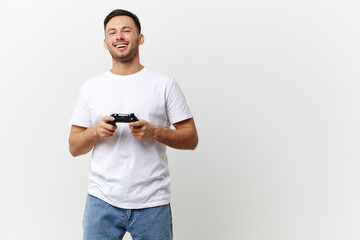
(156, 132)
(94, 134)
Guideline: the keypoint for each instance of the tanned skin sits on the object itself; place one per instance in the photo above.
(122, 30)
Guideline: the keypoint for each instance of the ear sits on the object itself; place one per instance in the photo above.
(105, 46)
(141, 39)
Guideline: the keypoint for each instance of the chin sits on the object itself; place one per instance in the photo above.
(124, 58)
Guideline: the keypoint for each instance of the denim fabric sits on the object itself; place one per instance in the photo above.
(103, 221)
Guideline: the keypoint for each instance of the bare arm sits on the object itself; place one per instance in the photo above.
(184, 136)
(82, 140)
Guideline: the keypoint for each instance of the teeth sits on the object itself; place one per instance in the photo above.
(120, 46)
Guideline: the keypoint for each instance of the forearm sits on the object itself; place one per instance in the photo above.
(184, 138)
(83, 141)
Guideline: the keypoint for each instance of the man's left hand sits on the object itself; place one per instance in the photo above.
(142, 129)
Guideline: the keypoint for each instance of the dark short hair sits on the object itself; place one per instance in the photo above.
(122, 12)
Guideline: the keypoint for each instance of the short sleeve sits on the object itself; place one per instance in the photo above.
(176, 105)
(81, 115)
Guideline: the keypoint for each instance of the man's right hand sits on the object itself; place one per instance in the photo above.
(105, 129)
(82, 139)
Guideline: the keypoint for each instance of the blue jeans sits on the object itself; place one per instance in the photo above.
(103, 221)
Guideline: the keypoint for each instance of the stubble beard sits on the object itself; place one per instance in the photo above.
(125, 58)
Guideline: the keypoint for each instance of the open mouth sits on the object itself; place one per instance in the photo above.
(120, 45)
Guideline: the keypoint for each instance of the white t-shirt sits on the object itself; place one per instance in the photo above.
(127, 172)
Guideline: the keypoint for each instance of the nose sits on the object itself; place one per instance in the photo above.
(120, 36)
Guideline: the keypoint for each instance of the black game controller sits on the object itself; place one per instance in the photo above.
(121, 117)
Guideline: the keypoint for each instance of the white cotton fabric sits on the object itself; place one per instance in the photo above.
(127, 172)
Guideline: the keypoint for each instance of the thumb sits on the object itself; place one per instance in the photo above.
(108, 118)
(137, 123)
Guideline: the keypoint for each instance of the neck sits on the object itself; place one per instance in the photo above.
(126, 68)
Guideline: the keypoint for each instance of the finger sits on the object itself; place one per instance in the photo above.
(135, 131)
(137, 123)
(110, 127)
(108, 119)
(137, 135)
(106, 125)
(108, 134)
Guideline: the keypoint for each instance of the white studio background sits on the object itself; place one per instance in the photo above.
(274, 88)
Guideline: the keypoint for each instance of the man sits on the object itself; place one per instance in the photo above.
(129, 176)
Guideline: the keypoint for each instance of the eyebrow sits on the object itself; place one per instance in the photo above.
(113, 29)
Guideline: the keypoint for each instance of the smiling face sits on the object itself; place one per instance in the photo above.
(122, 39)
